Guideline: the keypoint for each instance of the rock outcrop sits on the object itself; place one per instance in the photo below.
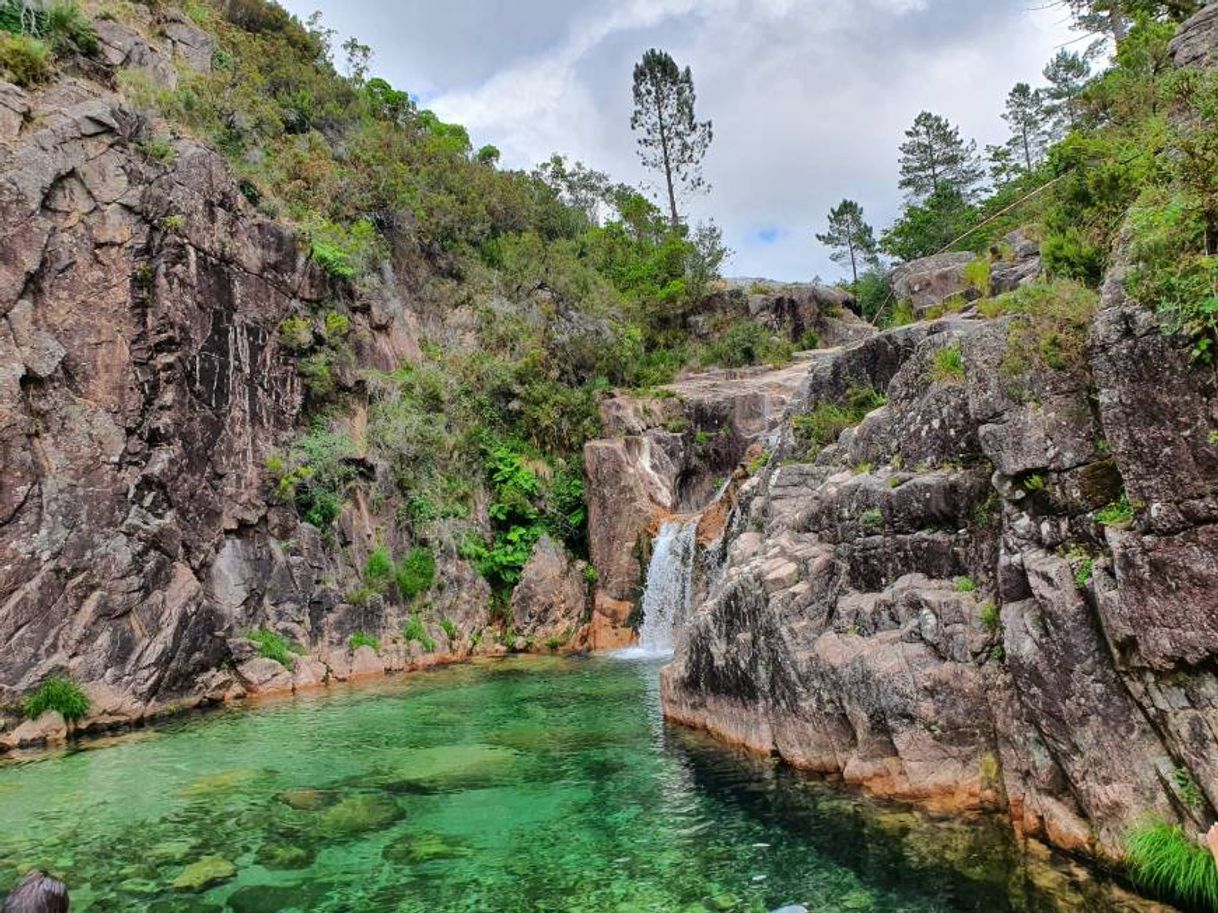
(930, 608)
(143, 385)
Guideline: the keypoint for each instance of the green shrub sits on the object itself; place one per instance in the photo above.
(415, 631)
(1118, 514)
(872, 519)
(68, 29)
(416, 572)
(450, 629)
(296, 333)
(825, 424)
(158, 150)
(991, 618)
(1167, 862)
(807, 341)
(1084, 572)
(57, 694)
(948, 364)
(24, 60)
(1050, 327)
(362, 639)
(1187, 787)
(746, 343)
(274, 646)
(966, 585)
(378, 570)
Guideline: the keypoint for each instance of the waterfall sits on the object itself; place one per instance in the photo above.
(670, 579)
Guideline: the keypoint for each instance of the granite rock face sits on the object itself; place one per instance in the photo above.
(142, 388)
(930, 608)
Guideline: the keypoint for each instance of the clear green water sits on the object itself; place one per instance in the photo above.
(538, 785)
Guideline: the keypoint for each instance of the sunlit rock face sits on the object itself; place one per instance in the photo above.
(930, 608)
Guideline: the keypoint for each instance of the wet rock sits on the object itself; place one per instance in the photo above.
(48, 728)
(203, 874)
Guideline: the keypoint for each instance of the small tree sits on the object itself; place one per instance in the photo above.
(928, 228)
(706, 255)
(1066, 74)
(671, 139)
(1025, 114)
(849, 237)
(935, 159)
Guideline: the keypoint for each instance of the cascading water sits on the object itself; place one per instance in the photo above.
(670, 579)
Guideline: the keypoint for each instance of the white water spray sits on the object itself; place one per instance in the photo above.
(670, 581)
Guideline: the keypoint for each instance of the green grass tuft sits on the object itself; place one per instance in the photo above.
(948, 365)
(1166, 862)
(363, 639)
(414, 630)
(274, 646)
(57, 694)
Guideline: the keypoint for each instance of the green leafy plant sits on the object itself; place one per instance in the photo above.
(363, 639)
(416, 631)
(966, 585)
(416, 572)
(1187, 787)
(57, 694)
(449, 627)
(1118, 514)
(1167, 862)
(378, 570)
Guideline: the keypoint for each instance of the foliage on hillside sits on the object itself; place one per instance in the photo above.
(567, 284)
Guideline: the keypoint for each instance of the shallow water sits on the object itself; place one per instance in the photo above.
(520, 785)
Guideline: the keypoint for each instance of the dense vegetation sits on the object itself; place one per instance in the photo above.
(568, 284)
(1132, 147)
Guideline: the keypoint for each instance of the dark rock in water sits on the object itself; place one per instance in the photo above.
(262, 898)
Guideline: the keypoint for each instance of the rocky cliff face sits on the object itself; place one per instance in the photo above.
(143, 385)
(931, 606)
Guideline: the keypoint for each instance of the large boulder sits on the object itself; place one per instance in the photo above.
(551, 599)
(931, 281)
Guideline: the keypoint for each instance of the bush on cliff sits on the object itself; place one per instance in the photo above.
(1167, 862)
(57, 694)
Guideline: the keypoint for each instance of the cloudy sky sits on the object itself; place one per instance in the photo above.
(809, 98)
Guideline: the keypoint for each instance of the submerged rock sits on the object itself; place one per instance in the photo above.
(359, 814)
(426, 848)
(203, 874)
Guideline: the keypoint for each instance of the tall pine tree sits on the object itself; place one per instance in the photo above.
(934, 159)
(671, 139)
(1025, 114)
(849, 237)
(1066, 74)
